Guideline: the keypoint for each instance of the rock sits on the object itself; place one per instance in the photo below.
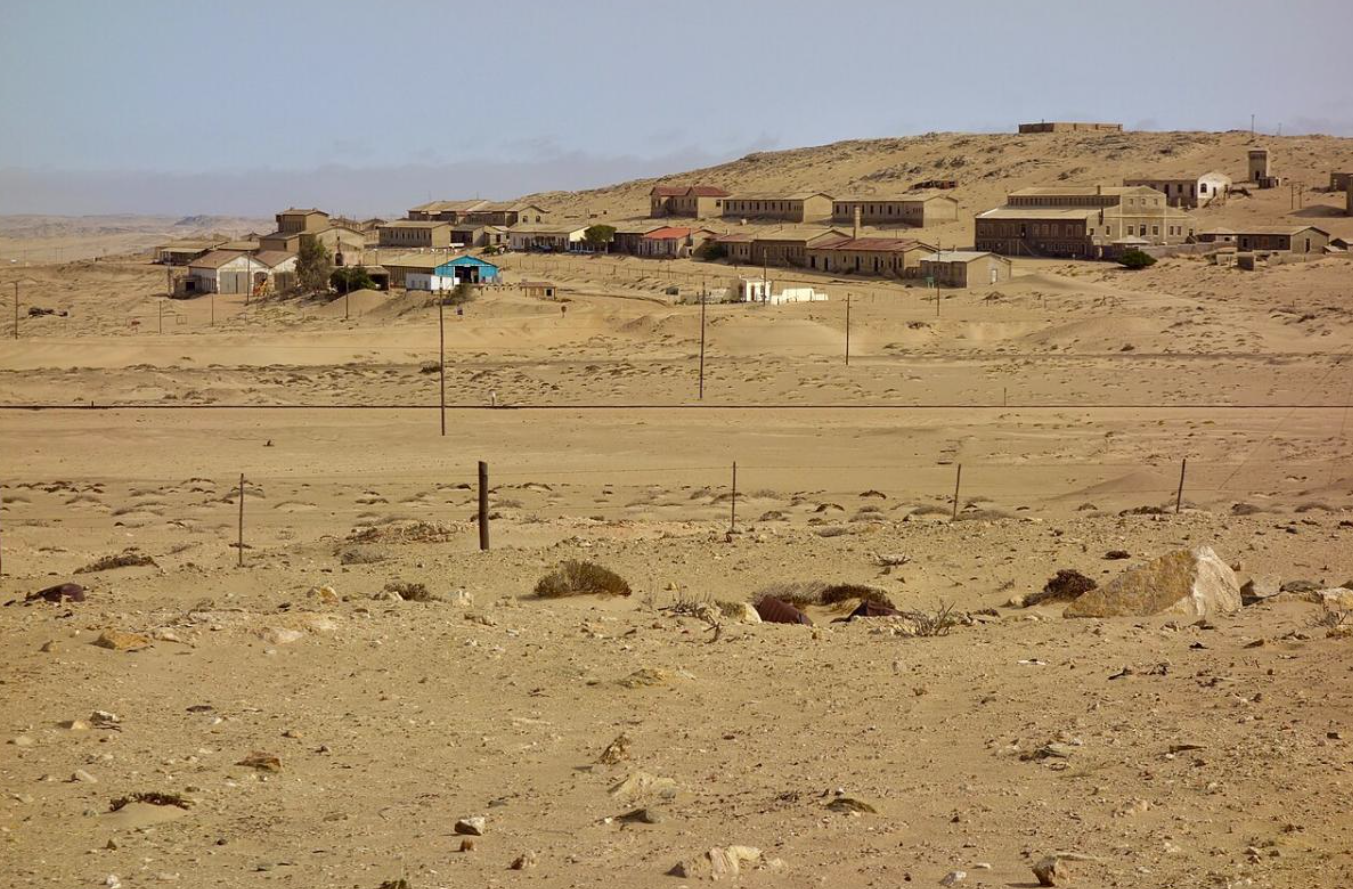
(467, 845)
(76, 725)
(116, 640)
(104, 719)
(718, 863)
(1257, 589)
(280, 635)
(639, 785)
(953, 877)
(1050, 871)
(1336, 599)
(1067, 585)
(745, 614)
(473, 826)
(387, 595)
(616, 751)
(1192, 583)
(646, 677)
(1300, 586)
(646, 815)
(849, 805)
(326, 594)
(264, 762)
(463, 599)
(63, 592)
(84, 777)
(525, 861)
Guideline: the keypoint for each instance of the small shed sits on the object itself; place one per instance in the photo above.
(453, 272)
(538, 289)
(965, 268)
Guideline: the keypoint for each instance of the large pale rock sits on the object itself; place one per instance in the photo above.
(1189, 583)
(1336, 599)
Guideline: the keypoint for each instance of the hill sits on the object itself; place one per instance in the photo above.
(987, 166)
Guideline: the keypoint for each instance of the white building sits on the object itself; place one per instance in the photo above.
(1186, 191)
(545, 237)
(232, 271)
(762, 292)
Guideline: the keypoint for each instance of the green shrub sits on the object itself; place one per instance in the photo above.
(580, 578)
(1136, 259)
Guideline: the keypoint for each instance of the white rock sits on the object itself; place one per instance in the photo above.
(953, 877)
(1192, 583)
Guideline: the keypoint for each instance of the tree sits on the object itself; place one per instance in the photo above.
(314, 267)
(350, 278)
(463, 294)
(1136, 259)
(599, 235)
(710, 251)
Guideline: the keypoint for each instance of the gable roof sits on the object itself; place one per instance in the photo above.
(215, 259)
(273, 258)
(875, 245)
(772, 196)
(467, 260)
(911, 197)
(415, 223)
(293, 211)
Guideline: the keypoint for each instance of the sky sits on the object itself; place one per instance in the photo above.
(233, 107)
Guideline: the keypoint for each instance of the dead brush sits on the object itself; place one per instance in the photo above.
(935, 623)
(1331, 620)
(581, 578)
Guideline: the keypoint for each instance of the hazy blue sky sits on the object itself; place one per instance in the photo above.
(233, 106)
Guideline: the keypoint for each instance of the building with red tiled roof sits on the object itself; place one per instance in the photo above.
(670, 242)
(891, 257)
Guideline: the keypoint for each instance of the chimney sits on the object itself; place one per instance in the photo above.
(1099, 189)
(856, 234)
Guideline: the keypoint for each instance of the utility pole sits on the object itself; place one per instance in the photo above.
(703, 300)
(847, 330)
(16, 310)
(161, 320)
(441, 364)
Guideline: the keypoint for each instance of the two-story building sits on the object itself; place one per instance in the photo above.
(799, 207)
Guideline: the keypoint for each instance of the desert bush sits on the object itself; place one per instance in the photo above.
(125, 559)
(581, 578)
(410, 592)
(1067, 584)
(801, 593)
(1136, 259)
(934, 623)
(840, 592)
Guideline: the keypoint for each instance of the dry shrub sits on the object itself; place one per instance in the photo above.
(934, 623)
(404, 532)
(152, 798)
(581, 578)
(125, 559)
(1067, 584)
(801, 593)
(410, 592)
(361, 555)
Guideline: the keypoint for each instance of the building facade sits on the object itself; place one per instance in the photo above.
(1187, 191)
(788, 247)
(965, 268)
(879, 257)
(546, 238)
(1080, 222)
(915, 210)
(670, 242)
(412, 234)
(697, 201)
(799, 208)
(1062, 126)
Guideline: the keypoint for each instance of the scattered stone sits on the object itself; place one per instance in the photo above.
(1193, 583)
(646, 815)
(773, 611)
(83, 777)
(104, 719)
(1067, 585)
(647, 677)
(1257, 589)
(76, 725)
(1336, 599)
(264, 762)
(639, 785)
(473, 826)
(467, 845)
(327, 595)
(1050, 871)
(1117, 555)
(849, 805)
(525, 861)
(743, 613)
(617, 751)
(280, 635)
(953, 877)
(116, 640)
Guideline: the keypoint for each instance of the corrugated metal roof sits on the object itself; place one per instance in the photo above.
(272, 258)
(215, 259)
(914, 197)
(794, 196)
(875, 245)
(415, 223)
(961, 256)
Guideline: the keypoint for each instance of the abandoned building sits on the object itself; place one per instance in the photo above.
(1187, 191)
(697, 201)
(892, 257)
(1060, 126)
(1080, 222)
(415, 234)
(1300, 239)
(798, 208)
(915, 210)
(965, 268)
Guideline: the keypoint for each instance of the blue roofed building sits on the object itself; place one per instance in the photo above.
(461, 270)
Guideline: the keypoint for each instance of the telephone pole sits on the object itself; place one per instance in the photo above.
(702, 343)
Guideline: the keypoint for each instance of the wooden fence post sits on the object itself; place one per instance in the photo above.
(958, 479)
(1179, 495)
(483, 506)
(241, 537)
(733, 515)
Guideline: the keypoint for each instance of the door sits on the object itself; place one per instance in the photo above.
(994, 274)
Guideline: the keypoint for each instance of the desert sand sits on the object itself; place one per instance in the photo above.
(305, 727)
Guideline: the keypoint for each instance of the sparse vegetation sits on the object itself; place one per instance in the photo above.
(125, 559)
(599, 236)
(314, 267)
(350, 278)
(152, 798)
(581, 578)
(802, 593)
(1136, 259)
(935, 623)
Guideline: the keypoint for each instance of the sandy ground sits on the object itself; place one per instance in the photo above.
(1182, 755)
